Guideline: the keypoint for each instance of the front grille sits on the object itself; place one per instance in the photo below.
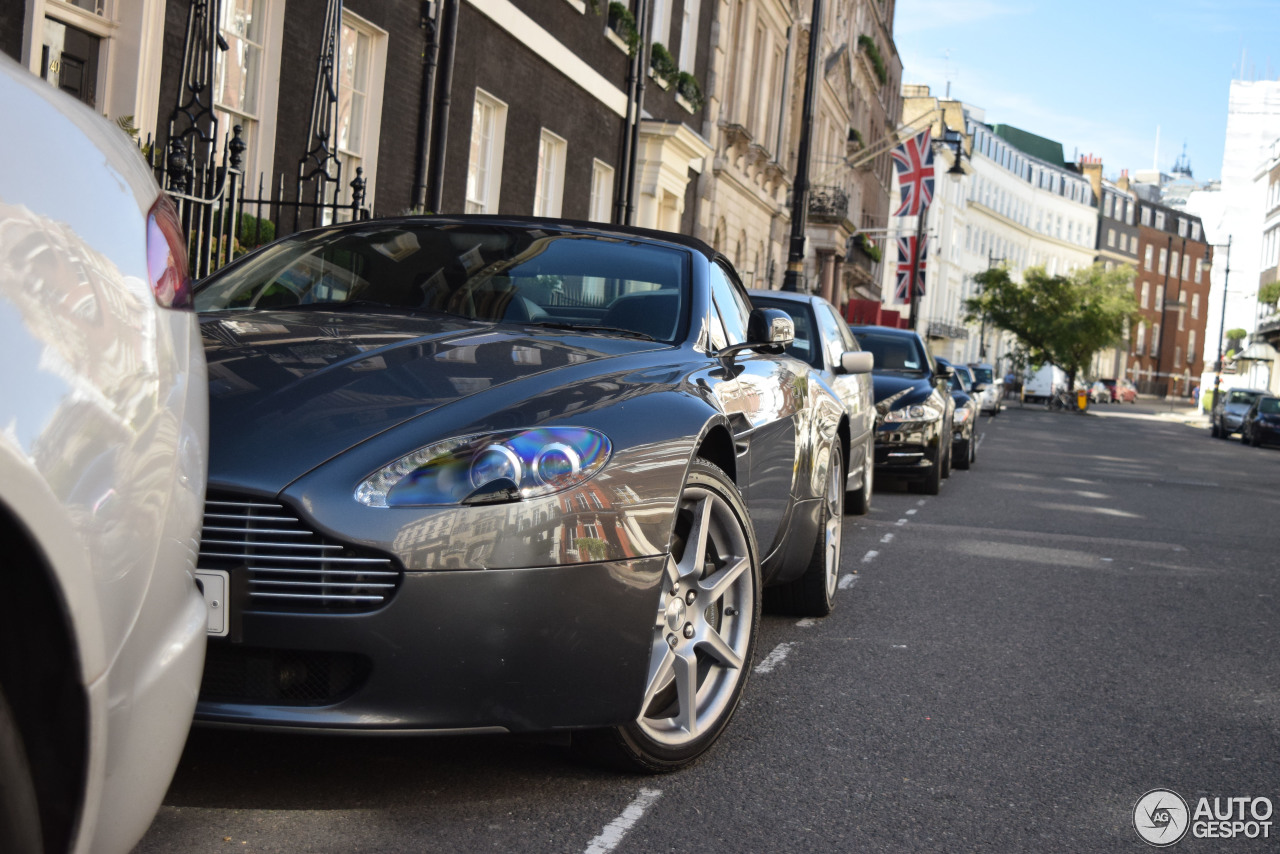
(289, 567)
(280, 677)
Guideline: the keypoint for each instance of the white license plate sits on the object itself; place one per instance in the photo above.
(216, 586)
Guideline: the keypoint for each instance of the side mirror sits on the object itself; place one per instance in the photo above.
(770, 327)
(857, 362)
(979, 388)
(944, 373)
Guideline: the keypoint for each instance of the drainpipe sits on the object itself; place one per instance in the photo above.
(448, 32)
(641, 66)
(430, 13)
(634, 65)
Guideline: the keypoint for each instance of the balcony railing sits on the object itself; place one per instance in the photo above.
(832, 202)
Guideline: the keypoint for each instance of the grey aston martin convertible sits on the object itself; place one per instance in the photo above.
(477, 474)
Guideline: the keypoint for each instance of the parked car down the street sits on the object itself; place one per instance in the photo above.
(1099, 392)
(102, 478)
(459, 463)
(1261, 424)
(824, 341)
(987, 387)
(914, 405)
(964, 448)
(1228, 413)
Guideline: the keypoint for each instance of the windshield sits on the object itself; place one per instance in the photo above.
(482, 272)
(981, 374)
(894, 354)
(1244, 397)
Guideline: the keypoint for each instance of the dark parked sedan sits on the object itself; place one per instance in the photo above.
(913, 401)
(964, 449)
(476, 474)
(1261, 424)
(1228, 413)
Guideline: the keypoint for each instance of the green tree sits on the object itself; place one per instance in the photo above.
(1061, 320)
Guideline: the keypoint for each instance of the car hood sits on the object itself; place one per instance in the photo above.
(917, 389)
(291, 390)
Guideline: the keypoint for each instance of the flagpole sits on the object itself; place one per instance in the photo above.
(915, 269)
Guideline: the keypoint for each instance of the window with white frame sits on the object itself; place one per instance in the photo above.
(1163, 265)
(689, 35)
(1159, 306)
(484, 160)
(1111, 237)
(1195, 231)
(1177, 356)
(1182, 319)
(1200, 268)
(1140, 339)
(601, 192)
(1191, 347)
(1146, 294)
(1160, 220)
(237, 80)
(1186, 267)
(361, 69)
(1146, 216)
(1195, 306)
(1146, 258)
(1173, 265)
(1155, 339)
(548, 193)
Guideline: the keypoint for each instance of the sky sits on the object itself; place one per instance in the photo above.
(1099, 77)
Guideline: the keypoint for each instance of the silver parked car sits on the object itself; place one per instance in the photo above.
(103, 431)
(824, 341)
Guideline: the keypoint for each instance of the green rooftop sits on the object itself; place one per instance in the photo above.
(1028, 143)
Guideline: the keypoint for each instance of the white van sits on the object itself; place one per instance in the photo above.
(1038, 385)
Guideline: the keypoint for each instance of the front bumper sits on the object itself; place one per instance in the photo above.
(519, 650)
(908, 449)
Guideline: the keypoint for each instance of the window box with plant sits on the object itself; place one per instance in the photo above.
(663, 65)
(623, 24)
(872, 51)
(868, 247)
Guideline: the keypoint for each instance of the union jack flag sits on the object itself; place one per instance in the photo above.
(914, 162)
(907, 261)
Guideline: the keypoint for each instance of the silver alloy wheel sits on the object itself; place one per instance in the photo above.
(835, 520)
(702, 631)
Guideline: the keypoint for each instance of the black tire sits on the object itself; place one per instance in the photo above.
(19, 809)
(932, 483)
(663, 737)
(1213, 431)
(1244, 440)
(858, 502)
(1254, 441)
(946, 462)
(814, 593)
(966, 454)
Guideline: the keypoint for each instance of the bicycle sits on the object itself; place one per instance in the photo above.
(1061, 401)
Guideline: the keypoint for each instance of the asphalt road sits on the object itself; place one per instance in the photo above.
(1088, 614)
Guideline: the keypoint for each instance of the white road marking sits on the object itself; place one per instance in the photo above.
(613, 832)
(981, 436)
(887, 538)
(901, 522)
(807, 622)
(913, 511)
(848, 581)
(773, 659)
(870, 556)
(899, 646)
(922, 502)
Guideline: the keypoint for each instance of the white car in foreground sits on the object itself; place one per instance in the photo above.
(103, 442)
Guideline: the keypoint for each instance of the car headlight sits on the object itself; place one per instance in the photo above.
(962, 415)
(488, 467)
(916, 412)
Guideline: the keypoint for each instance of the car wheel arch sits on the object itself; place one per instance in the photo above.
(41, 630)
(715, 445)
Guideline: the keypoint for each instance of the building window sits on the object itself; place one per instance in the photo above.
(1182, 227)
(238, 77)
(1140, 339)
(1182, 319)
(1191, 348)
(689, 35)
(1173, 266)
(1146, 216)
(484, 162)
(1195, 231)
(1177, 357)
(548, 193)
(1155, 339)
(1108, 200)
(1146, 259)
(601, 192)
(1199, 269)
(362, 62)
(1195, 306)
(1146, 294)
(1186, 267)
(1111, 237)
(1159, 306)
(1164, 262)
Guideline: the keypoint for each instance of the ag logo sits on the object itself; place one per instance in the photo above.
(1161, 817)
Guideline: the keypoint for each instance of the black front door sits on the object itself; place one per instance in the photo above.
(70, 60)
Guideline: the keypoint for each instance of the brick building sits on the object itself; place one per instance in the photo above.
(1172, 287)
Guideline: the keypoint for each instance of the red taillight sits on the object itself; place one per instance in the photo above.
(167, 256)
